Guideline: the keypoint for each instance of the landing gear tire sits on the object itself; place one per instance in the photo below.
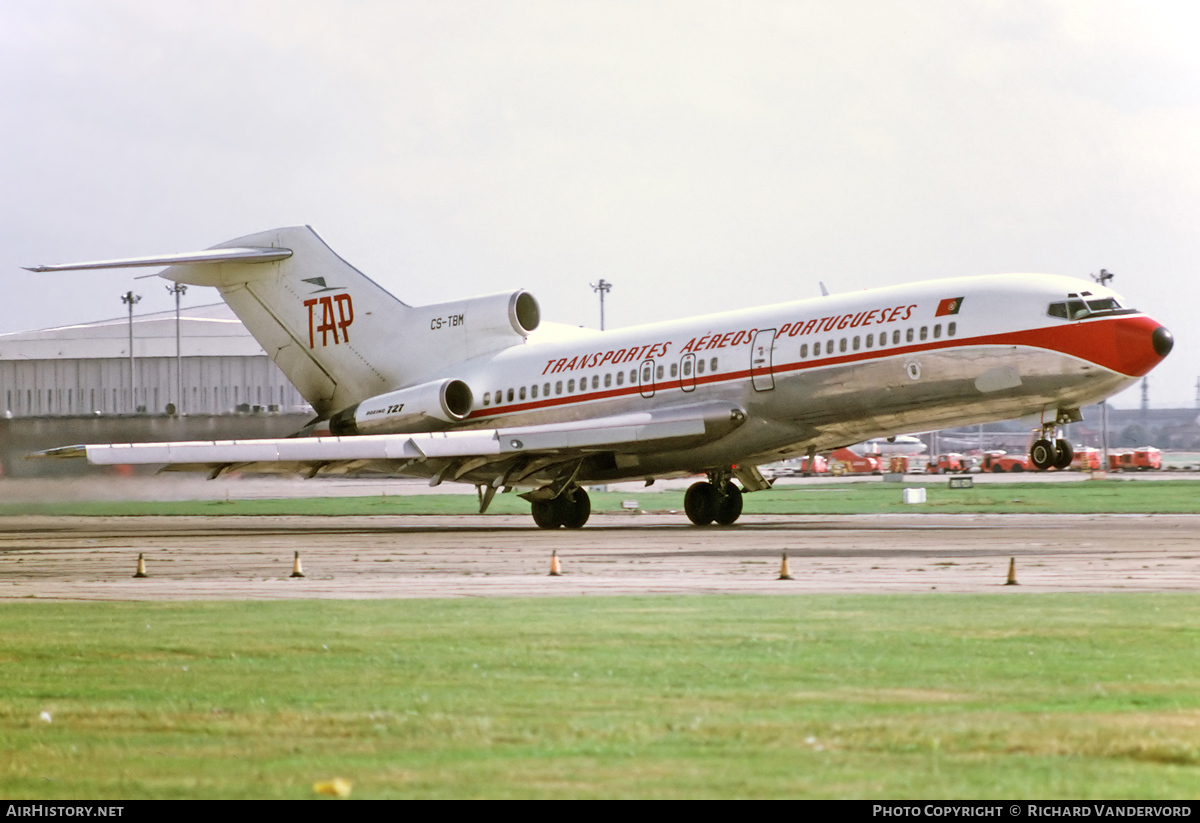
(545, 514)
(570, 509)
(1042, 455)
(701, 503)
(729, 509)
(577, 508)
(1065, 454)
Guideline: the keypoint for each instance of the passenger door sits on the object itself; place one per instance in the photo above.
(761, 356)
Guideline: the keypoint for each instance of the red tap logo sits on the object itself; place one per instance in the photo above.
(337, 313)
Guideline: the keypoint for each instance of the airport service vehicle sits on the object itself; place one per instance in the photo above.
(905, 464)
(816, 464)
(1137, 460)
(480, 391)
(1001, 461)
(949, 463)
(844, 461)
(1086, 460)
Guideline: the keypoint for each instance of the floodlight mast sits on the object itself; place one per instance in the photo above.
(130, 299)
(178, 289)
(603, 287)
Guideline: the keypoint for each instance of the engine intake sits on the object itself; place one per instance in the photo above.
(427, 407)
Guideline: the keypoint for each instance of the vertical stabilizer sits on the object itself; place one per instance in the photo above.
(308, 311)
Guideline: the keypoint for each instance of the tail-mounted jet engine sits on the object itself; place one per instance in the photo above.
(463, 329)
(426, 407)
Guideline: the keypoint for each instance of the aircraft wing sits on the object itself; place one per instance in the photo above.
(460, 451)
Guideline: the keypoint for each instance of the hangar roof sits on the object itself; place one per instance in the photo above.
(205, 331)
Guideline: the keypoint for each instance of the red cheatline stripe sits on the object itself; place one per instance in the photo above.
(1129, 351)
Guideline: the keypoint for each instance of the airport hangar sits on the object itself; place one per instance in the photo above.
(71, 384)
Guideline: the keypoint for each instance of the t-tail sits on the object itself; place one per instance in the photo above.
(339, 337)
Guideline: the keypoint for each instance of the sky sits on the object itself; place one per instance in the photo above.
(700, 156)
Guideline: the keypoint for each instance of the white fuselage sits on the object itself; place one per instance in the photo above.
(825, 372)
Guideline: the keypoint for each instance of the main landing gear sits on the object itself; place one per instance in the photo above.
(716, 500)
(571, 509)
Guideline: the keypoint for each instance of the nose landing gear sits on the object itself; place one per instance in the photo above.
(1050, 452)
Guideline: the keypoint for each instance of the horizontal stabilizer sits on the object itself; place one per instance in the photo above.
(235, 255)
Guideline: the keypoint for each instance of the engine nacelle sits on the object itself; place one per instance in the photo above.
(427, 407)
(466, 328)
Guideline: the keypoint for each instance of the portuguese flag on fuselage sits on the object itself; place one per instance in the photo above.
(950, 305)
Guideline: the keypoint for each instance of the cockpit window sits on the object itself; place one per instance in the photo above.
(1079, 306)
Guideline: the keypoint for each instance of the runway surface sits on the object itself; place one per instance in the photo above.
(209, 558)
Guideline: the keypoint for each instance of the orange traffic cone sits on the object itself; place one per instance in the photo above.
(783, 569)
(141, 571)
(1012, 572)
(297, 569)
(555, 567)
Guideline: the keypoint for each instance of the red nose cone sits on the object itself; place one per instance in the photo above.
(1140, 345)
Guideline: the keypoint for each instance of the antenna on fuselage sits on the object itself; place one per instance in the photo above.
(824, 291)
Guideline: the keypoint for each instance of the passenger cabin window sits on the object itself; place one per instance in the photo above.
(499, 397)
(817, 348)
(842, 345)
(895, 337)
(937, 331)
(803, 350)
(546, 390)
(522, 393)
(646, 376)
(487, 399)
(713, 365)
(510, 395)
(908, 336)
(924, 332)
(533, 391)
(608, 380)
(674, 369)
(699, 367)
(951, 329)
(558, 387)
(632, 376)
(870, 340)
(687, 367)
(595, 381)
(570, 386)
(620, 378)
(658, 372)
(854, 345)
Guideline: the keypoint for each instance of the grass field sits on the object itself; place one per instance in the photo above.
(1077, 696)
(1093, 496)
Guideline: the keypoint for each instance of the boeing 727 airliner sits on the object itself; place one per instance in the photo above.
(473, 391)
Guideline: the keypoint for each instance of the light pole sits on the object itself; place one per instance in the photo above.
(179, 290)
(603, 287)
(129, 299)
